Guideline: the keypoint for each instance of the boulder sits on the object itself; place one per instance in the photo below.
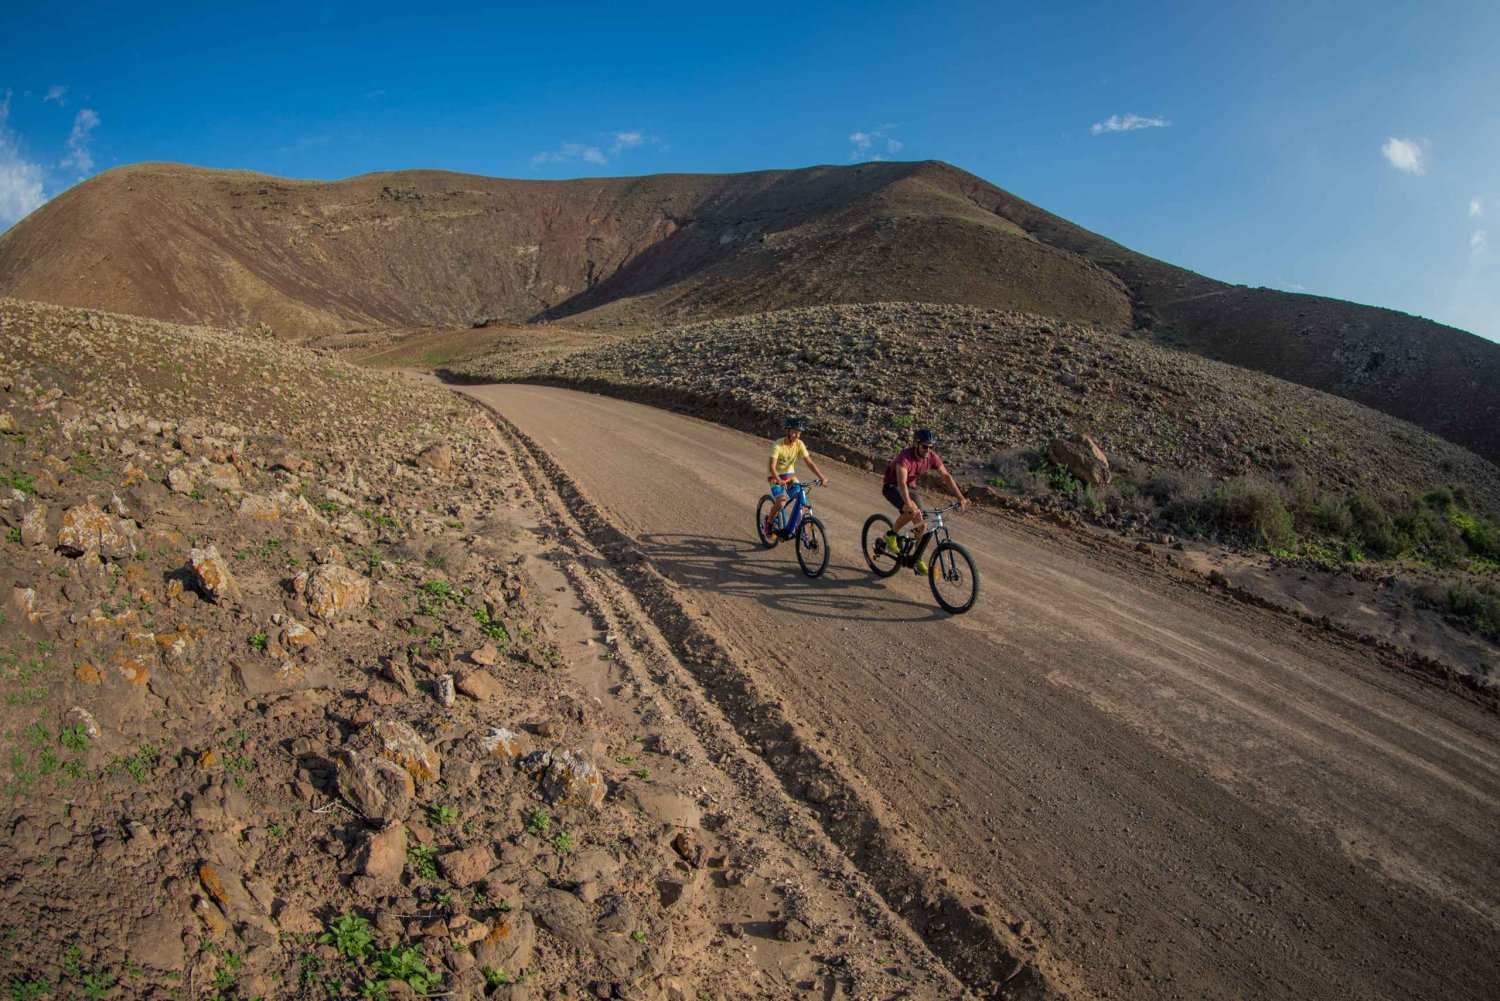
(508, 943)
(87, 530)
(438, 458)
(567, 778)
(481, 686)
(34, 525)
(332, 592)
(1081, 455)
(467, 866)
(180, 481)
(506, 745)
(377, 787)
(210, 574)
(398, 742)
(383, 855)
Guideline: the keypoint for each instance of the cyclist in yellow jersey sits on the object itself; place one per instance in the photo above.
(782, 468)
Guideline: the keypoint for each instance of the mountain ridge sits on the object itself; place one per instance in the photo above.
(426, 247)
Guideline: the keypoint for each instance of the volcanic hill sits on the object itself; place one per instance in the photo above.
(417, 248)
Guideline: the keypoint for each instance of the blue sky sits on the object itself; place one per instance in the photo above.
(1349, 149)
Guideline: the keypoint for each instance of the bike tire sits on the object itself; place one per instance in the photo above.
(762, 512)
(881, 564)
(952, 564)
(812, 546)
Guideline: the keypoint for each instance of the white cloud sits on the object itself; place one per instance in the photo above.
(875, 144)
(1479, 242)
(597, 154)
(79, 155)
(57, 92)
(626, 140)
(1128, 123)
(1476, 209)
(1405, 155)
(21, 189)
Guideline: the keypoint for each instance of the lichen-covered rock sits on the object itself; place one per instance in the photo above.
(34, 525)
(332, 592)
(87, 530)
(222, 476)
(296, 636)
(211, 576)
(566, 777)
(505, 744)
(84, 720)
(399, 742)
(508, 943)
(23, 600)
(180, 480)
(258, 508)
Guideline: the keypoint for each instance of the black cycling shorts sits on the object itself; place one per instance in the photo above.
(892, 493)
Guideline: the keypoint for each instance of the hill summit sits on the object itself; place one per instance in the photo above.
(418, 248)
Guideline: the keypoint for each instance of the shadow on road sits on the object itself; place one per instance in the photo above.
(736, 566)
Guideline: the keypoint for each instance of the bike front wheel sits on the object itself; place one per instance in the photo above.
(762, 515)
(872, 541)
(812, 547)
(954, 579)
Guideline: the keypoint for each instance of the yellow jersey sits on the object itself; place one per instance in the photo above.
(784, 457)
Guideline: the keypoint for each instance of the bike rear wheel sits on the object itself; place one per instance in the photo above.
(762, 512)
(954, 579)
(812, 547)
(880, 562)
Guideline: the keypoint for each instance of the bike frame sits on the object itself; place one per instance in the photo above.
(791, 515)
(935, 527)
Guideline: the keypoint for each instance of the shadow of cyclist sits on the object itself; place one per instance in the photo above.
(740, 567)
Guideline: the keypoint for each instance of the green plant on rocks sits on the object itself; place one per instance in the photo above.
(350, 936)
(537, 822)
(423, 860)
(408, 964)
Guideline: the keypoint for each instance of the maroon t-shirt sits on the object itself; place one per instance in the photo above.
(915, 467)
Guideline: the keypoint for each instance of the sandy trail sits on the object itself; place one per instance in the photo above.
(1180, 796)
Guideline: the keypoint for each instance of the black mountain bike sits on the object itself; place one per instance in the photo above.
(950, 571)
(795, 521)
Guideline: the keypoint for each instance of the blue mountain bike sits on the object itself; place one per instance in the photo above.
(796, 521)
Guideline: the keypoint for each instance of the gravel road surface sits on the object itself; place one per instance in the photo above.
(1174, 795)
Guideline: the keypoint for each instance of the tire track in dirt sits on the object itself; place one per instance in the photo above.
(934, 903)
(1175, 794)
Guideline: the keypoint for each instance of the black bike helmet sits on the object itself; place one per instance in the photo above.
(925, 436)
(796, 424)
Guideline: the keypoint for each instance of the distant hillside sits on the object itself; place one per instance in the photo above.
(420, 248)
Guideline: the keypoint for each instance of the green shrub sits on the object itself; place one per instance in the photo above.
(1480, 607)
(1243, 510)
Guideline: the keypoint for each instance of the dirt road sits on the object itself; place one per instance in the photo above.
(1170, 794)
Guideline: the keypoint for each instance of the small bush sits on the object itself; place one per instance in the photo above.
(1014, 468)
(1244, 510)
(1480, 607)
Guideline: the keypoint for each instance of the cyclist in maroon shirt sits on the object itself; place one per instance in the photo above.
(901, 487)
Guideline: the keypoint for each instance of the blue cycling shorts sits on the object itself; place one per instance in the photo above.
(792, 488)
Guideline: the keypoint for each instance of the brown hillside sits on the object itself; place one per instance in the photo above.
(420, 248)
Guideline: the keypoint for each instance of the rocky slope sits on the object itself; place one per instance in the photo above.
(294, 711)
(421, 248)
(1287, 476)
(992, 381)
